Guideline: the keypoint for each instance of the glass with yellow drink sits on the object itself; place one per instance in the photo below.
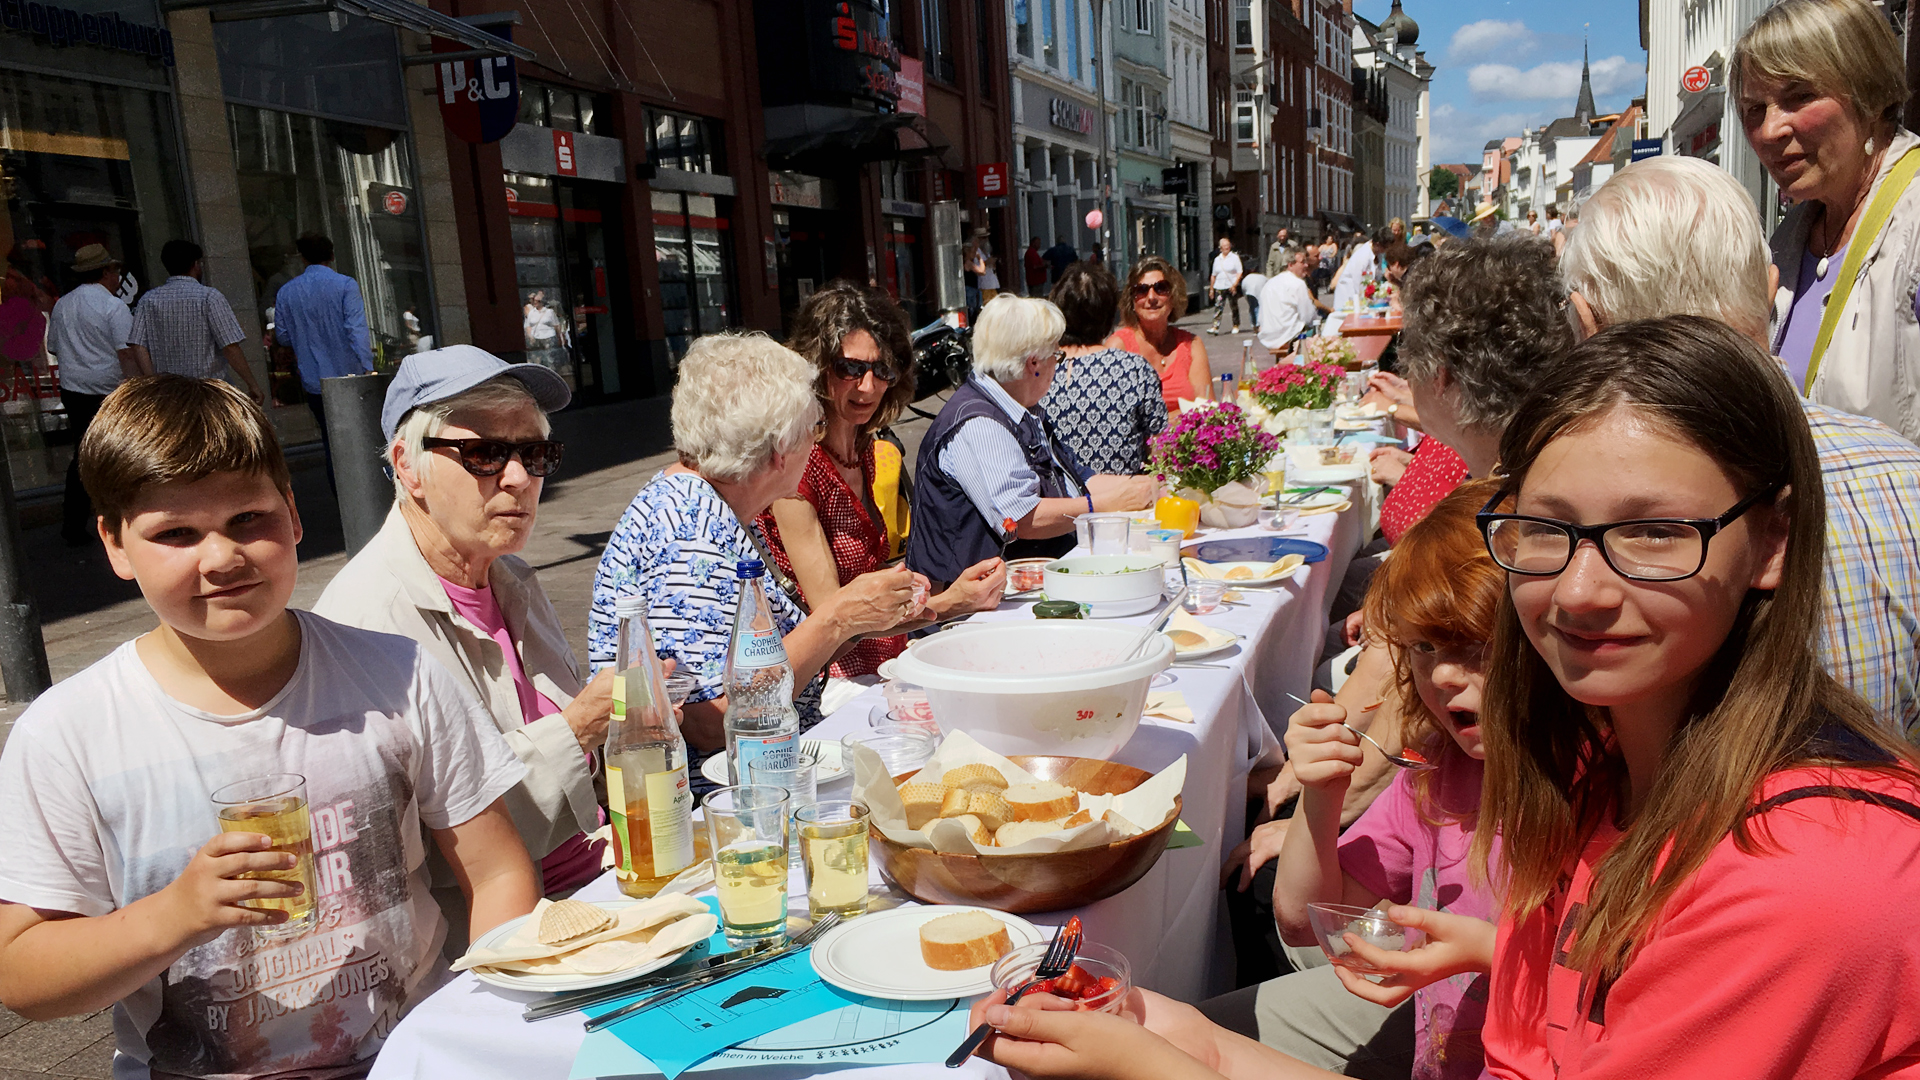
(833, 848)
(748, 827)
(275, 805)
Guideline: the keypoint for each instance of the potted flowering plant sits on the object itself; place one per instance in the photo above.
(1298, 386)
(1218, 452)
(1337, 351)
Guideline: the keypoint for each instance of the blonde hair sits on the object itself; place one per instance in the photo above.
(1671, 236)
(1012, 329)
(742, 397)
(1839, 47)
(500, 394)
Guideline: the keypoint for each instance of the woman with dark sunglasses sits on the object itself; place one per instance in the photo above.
(470, 448)
(1156, 296)
(850, 516)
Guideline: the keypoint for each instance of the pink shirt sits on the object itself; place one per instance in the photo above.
(1797, 960)
(577, 860)
(1396, 854)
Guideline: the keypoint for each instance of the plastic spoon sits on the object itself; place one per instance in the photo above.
(1154, 624)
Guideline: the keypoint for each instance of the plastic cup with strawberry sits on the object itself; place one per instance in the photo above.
(1099, 980)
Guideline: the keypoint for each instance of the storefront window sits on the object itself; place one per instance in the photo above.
(80, 163)
(688, 143)
(352, 182)
(696, 266)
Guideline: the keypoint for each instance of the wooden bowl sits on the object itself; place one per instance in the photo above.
(1041, 881)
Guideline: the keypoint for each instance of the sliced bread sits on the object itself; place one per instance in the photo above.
(955, 802)
(990, 808)
(976, 832)
(975, 777)
(965, 939)
(1042, 801)
(1014, 833)
(923, 802)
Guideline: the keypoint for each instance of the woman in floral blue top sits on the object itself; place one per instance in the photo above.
(1105, 402)
(744, 413)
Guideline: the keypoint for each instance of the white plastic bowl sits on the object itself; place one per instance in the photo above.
(1112, 585)
(1049, 686)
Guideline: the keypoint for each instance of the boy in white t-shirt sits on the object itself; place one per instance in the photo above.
(116, 884)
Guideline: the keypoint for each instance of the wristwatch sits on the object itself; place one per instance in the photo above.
(1393, 410)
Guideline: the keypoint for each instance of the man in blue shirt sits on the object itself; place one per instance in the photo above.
(320, 316)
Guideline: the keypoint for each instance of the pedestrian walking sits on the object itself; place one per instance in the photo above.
(1277, 254)
(1224, 285)
(1036, 268)
(184, 327)
(88, 333)
(321, 317)
(1060, 256)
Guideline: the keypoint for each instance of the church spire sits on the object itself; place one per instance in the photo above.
(1583, 108)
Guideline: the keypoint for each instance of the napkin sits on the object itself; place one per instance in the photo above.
(1215, 637)
(1278, 568)
(1168, 705)
(1231, 506)
(644, 931)
(1340, 507)
(1146, 806)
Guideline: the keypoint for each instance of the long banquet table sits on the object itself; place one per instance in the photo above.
(1169, 924)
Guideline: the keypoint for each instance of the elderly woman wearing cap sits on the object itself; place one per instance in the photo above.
(993, 456)
(744, 420)
(468, 441)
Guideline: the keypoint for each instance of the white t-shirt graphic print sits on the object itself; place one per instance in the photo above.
(106, 780)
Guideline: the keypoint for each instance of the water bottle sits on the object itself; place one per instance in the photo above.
(648, 796)
(761, 720)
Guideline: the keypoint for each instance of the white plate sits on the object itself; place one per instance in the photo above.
(827, 766)
(1199, 651)
(1222, 567)
(1325, 474)
(1316, 502)
(878, 955)
(513, 980)
(885, 670)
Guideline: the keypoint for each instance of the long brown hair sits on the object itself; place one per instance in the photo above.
(1442, 587)
(820, 329)
(1141, 269)
(1553, 769)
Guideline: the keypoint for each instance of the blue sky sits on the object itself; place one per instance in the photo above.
(1502, 65)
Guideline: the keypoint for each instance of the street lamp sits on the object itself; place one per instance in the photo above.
(1101, 175)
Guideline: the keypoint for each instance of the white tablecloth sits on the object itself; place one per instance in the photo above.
(1169, 924)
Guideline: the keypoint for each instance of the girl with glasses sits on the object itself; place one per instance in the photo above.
(850, 514)
(1700, 829)
(1155, 297)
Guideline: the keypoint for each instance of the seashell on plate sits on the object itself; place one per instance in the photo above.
(565, 920)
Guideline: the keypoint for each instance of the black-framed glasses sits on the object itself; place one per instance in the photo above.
(1162, 287)
(1644, 549)
(489, 457)
(854, 370)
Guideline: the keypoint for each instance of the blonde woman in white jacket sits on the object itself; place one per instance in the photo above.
(1819, 85)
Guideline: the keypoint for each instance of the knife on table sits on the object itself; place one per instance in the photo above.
(681, 972)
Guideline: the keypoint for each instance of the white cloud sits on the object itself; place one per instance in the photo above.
(1554, 80)
(1460, 136)
(1491, 37)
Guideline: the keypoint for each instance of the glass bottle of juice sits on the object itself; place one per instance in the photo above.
(648, 795)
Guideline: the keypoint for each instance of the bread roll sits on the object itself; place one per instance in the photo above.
(923, 802)
(1043, 801)
(975, 777)
(990, 808)
(965, 939)
(1015, 833)
(976, 832)
(955, 802)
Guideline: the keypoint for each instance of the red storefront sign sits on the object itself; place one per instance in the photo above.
(990, 179)
(563, 160)
(913, 86)
(395, 203)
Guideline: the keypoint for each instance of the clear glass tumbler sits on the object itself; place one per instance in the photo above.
(748, 824)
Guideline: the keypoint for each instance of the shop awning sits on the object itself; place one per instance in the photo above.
(402, 13)
(889, 137)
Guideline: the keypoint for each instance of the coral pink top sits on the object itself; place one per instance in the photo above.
(1176, 379)
(1755, 968)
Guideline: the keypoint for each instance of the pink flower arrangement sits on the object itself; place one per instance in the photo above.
(1296, 386)
(1209, 448)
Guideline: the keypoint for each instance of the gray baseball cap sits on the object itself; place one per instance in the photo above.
(438, 374)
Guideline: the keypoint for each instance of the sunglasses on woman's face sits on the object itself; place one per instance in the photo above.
(489, 457)
(1158, 288)
(854, 370)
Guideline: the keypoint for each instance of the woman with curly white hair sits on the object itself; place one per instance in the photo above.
(992, 455)
(744, 416)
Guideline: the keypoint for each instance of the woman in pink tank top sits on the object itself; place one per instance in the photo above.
(1156, 295)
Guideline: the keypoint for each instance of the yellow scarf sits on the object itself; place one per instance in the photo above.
(888, 496)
